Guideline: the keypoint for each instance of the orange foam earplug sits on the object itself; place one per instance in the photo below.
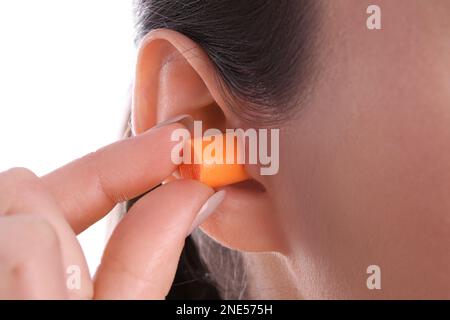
(212, 173)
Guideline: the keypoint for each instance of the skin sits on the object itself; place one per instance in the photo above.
(364, 174)
(372, 182)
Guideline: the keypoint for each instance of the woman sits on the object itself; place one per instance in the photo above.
(358, 209)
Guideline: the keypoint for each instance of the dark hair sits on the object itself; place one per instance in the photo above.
(263, 49)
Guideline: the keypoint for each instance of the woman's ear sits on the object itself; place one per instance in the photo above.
(174, 76)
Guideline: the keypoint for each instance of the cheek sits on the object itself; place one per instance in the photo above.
(365, 172)
(367, 186)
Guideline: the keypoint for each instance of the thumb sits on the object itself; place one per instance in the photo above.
(142, 254)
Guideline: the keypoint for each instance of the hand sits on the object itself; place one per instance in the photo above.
(40, 217)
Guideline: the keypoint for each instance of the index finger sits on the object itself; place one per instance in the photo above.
(88, 188)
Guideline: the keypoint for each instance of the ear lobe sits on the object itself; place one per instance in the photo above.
(170, 80)
(246, 221)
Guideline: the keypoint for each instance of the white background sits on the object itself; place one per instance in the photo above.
(65, 71)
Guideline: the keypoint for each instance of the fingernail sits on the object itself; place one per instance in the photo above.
(184, 119)
(207, 209)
